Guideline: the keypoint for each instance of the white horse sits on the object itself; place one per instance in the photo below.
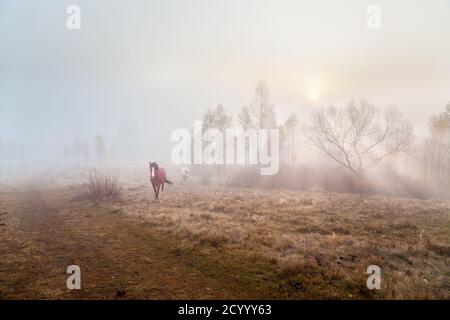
(185, 173)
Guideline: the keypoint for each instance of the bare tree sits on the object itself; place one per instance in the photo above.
(113, 154)
(261, 112)
(440, 124)
(262, 108)
(77, 151)
(85, 151)
(66, 154)
(100, 148)
(290, 129)
(217, 119)
(436, 149)
(208, 120)
(359, 136)
(245, 119)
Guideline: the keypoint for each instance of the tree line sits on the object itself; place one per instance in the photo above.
(356, 137)
(80, 153)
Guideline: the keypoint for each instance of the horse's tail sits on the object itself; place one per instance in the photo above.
(169, 182)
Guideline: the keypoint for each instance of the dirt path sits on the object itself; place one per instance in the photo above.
(44, 232)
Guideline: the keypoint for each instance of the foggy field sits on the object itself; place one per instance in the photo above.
(225, 150)
(217, 242)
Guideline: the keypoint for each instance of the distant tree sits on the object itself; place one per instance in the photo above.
(77, 151)
(6, 152)
(113, 153)
(216, 118)
(440, 124)
(85, 152)
(100, 148)
(245, 119)
(436, 149)
(260, 114)
(290, 128)
(223, 121)
(359, 136)
(208, 120)
(262, 108)
(66, 154)
(2, 152)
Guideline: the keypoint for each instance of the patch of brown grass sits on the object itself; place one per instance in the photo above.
(333, 237)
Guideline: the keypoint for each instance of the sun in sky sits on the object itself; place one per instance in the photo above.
(314, 93)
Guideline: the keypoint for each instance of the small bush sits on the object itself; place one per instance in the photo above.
(102, 187)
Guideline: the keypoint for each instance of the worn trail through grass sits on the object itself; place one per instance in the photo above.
(119, 257)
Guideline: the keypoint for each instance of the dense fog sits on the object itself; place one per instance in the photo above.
(138, 70)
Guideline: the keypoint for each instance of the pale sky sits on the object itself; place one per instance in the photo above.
(139, 69)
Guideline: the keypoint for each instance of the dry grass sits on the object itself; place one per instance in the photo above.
(323, 241)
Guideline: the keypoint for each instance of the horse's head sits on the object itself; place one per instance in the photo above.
(153, 165)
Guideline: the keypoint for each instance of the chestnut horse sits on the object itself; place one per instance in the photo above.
(157, 177)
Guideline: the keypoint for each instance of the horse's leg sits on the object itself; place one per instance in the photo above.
(154, 189)
(162, 187)
(157, 191)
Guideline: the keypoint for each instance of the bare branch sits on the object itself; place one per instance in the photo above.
(359, 137)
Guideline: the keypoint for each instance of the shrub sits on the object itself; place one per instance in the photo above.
(102, 187)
